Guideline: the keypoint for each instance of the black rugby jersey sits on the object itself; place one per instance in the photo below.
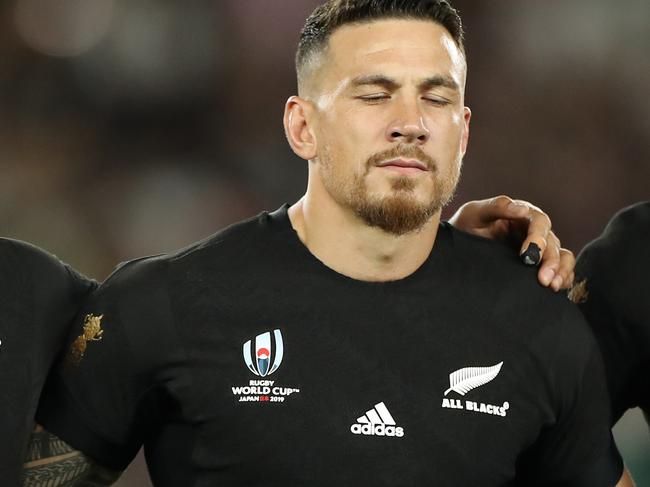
(243, 360)
(613, 290)
(39, 297)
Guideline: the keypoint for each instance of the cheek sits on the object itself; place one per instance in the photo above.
(452, 127)
(346, 141)
(339, 129)
(457, 119)
(339, 155)
(362, 124)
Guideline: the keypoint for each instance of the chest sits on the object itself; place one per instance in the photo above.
(382, 389)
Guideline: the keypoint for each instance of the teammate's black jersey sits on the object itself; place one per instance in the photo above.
(244, 361)
(613, 289)
(39, 297)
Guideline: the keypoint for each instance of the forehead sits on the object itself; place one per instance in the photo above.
(394, 47)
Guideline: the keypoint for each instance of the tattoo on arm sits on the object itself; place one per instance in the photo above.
(51, 462)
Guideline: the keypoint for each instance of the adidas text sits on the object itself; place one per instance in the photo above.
(377, 430)
(377, 422)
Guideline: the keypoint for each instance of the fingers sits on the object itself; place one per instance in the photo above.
(533, 249)
(557, 268)
(501, 207)
(481, 214)
(502, 218)
(550, 262)
(566, 270)
(493, 218)
(542, 246)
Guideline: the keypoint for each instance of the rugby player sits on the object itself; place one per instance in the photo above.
(350, 338)
(39, 297)
(612, 291)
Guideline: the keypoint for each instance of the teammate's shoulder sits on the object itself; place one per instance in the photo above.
(622, 252)
(610, 273)
(631, 220)
(626, 232)
(19, 259)
(24, 253)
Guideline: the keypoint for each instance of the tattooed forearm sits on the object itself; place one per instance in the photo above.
(43, 444)
(61, 471)
(51, 462)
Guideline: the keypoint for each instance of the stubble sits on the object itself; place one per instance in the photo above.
(399, 212)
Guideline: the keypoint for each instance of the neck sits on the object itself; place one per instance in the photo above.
(344, 243)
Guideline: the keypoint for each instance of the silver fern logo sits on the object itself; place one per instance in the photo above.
(464, 380)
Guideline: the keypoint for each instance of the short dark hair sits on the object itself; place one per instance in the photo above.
(331, 15)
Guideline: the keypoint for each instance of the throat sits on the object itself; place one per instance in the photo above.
(350, 247)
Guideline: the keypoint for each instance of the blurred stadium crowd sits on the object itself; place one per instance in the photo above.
(132, 128)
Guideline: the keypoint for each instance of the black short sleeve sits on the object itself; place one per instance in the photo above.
(39, 296)
(577, 448)
(612, 290)
(106, 395)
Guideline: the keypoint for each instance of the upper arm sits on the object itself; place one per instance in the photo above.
(107, 394)
(51, 462)
(575, 447)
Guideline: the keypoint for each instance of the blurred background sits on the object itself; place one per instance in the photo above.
(132, 128)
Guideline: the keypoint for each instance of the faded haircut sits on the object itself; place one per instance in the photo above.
(328, 17)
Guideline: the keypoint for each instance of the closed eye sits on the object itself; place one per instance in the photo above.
(441, 102)
(375, 97)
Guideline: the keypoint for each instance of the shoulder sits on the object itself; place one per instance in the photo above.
(529, 319)
(523, 310)
(631, 220)
(148, 297)
(30, 265)
(625, 240)
(24, 255)
(485, 254)
(612, 270)
(496, 270)
(154, 275)
(233, 244)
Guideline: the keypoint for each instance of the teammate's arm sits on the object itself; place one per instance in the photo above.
(51, 462)
(524, 225)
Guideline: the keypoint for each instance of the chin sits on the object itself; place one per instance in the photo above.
(397, 214)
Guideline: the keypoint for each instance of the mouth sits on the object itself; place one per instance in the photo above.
(406, 166)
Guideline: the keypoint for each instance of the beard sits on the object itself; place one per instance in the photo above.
(400, 212)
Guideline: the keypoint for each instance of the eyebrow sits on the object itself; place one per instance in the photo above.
(435, 81)
(391, 84)
(375, 80)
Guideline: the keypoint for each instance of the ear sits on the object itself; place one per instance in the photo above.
(467, 116)
(298, 119)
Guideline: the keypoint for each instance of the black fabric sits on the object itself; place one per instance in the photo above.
(612, 272)
(171, 368)
(39, 297)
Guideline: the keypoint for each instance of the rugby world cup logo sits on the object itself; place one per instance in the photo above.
(263, 355)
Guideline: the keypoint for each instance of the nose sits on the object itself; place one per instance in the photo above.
(409, 127)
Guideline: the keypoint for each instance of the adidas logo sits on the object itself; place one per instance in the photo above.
(377, 422)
